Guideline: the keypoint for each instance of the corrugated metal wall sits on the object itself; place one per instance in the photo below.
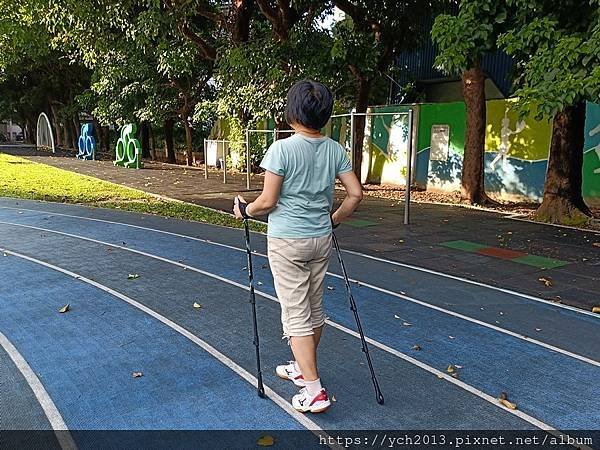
(418, 66)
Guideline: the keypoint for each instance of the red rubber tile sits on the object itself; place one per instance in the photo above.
(502, 253)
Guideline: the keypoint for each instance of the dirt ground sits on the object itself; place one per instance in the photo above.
(524, 209)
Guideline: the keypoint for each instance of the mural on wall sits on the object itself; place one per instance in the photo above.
(385, 145)
(516, 152)
(591, 157)
(522, 147)
(593, 133)
(522, 174)
(505, 135)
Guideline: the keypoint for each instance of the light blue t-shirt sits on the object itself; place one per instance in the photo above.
(309, 167)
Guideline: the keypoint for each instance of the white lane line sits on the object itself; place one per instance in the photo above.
(530, 419)
(479, 322)
(278, 400)
(54, 417)
(376, 288)
(351, 252)
(520, 218)
(476, 283)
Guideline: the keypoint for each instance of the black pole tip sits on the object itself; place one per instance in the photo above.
(380, 399)
(261, 392)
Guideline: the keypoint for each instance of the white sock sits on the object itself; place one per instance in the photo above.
(296, 366)
(313, 388)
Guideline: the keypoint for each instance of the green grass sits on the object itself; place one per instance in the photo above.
(21, 178)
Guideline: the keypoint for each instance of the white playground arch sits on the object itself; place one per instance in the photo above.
(44, 136)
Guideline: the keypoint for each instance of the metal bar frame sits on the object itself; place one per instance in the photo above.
(248, 159)
(224, 161)
(223, 142)
(205, 161)
(408, 183)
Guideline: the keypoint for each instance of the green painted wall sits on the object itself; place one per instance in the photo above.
(452, 114)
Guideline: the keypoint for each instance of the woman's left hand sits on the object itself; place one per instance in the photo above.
(236, 207)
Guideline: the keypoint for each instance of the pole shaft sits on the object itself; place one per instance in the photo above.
(408, 182)
(352, 139)
(205, 162)
(224, 163)
(248, 159)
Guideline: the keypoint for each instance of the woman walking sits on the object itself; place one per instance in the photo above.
(298, 196)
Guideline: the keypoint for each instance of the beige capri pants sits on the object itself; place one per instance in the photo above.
(299, 267)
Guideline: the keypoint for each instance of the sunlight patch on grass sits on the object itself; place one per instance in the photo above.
(21, 178)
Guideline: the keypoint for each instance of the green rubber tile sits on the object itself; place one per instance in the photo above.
(540, 261)
(360, 223)
(464, 245)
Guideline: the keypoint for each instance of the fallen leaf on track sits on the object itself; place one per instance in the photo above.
(509, 405)
(132, 276)
(503, 399)
(266, 440)
(137, 374)
(546, 280)
(197, 305)
(596, 309)
(406, 324)
(65, 308)
(416, 348)
(596, 244)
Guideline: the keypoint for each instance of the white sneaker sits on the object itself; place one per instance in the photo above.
(304, 403)
(290, 372)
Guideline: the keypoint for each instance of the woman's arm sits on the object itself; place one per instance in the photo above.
(267, 200)
(354, 196)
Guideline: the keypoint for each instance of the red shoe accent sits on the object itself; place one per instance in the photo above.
(321, 397)
(299, 377)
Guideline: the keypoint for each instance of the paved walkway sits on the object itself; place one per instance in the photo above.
(553, 263)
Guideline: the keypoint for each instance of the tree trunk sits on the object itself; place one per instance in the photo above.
(66, 130)
(362, 103)
(30, 134)
(189, 157)
(563, 202)
(145, 139)
(169, 147)
(152, 143)
(74, 133)
(240, 20)
(107, 147)
(77, 129)
(473, 174)
(57, 128)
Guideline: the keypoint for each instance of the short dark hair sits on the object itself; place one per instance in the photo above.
(310, 104)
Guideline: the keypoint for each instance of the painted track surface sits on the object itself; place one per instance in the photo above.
(502, 341)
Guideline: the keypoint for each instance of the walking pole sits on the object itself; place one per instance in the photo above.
(260, 387)
(354, 309)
